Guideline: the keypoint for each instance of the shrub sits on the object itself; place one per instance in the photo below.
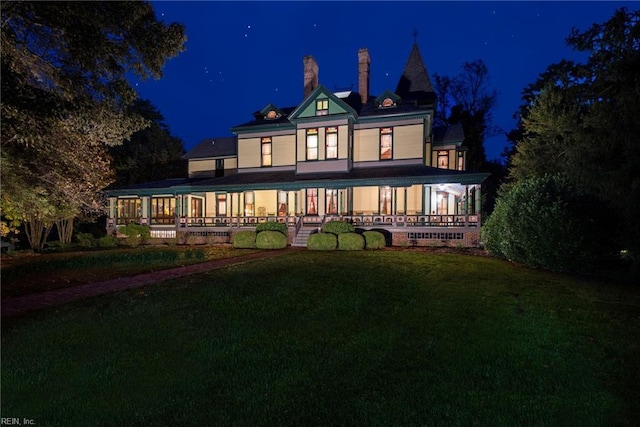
(322, 242)
(85, 240)
(272, 226)
(244, 239)
(338, 227)
(350, 242)
(108, 241)
(136, 234)
(374, 240)
(547, 223)
(270, 239)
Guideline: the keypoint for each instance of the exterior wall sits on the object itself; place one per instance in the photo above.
(197, 165)
(365, 199)
(414, 199)
(407, 141)
(283, 149)
(249, 153)
(343, 142)
(366, 145)
(210, 204)
(428, 160)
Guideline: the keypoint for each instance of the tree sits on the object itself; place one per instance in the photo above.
(64, 100)
(580, 120)
(469, 100)
(150, 154)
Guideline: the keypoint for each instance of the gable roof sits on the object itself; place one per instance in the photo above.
(322, 92)
(225, 146)
(415, 82)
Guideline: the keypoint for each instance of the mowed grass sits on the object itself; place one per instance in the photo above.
(339, 338)
(31, 273)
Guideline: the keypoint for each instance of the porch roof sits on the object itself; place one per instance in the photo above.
(394, 176)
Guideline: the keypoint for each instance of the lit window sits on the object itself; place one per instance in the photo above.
(460, 160)
(282, 203)
(221, 204)
(248, 203)
(196, 207)
(266, 151)
(312, 144)
(388, 102)
(386, 143)
(332, 201)
(272, 115)
(128, 210)
(322, 107)
(163, 210)
(385, 200)
(443, 159)
(312, 201)
(332, 143)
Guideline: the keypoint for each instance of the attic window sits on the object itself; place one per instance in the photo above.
(388, 102)
(272, 114)
(322, 107)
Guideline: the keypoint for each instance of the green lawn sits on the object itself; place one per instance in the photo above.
(345, 338)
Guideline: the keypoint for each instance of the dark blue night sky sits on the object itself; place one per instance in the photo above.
(243, 55)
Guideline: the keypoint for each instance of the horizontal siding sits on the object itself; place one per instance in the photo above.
(366, 145)
(249, 153)
(201, 165)
(283, 149)
(407, 142)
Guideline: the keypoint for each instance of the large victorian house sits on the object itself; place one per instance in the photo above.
(375, 161)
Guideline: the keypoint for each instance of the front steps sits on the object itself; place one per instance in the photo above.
(303, 235)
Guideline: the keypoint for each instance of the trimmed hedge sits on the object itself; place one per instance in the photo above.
(270, 239)
(350, 242)
(244, 239)
(374, 240)
(322, 242)
(338, 227)
(272, 226)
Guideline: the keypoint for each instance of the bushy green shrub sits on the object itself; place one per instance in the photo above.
(350, 242)
(374, 240)
(547, 223)
(322, 242)
(136, 234)
(86, 240)
(244, 239)
(338, 227)
(108, 241)
(272, 226)
(270, 239)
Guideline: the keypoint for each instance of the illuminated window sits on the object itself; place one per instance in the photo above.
(221, 204)
(332, 201)
(443, 203)
(332, 143)
(388, 102)
(443, 159)
(312, 144)
(248, 203)
(460, 160)
(282, 203)
(196, 207)
(322, 107)
(386, 143)
(128, 210)
(163, 210)
(272, 115)
(312, 201)
(266, 151)
(385, 200)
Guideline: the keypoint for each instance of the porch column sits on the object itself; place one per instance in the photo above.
(478, 201)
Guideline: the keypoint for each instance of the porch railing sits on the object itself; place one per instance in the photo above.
(359, 220)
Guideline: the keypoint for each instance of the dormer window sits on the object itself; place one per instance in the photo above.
(272, 115)
(388, 102)
(322, 107)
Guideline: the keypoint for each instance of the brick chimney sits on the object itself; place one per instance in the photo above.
(363, 74)
(310, 74)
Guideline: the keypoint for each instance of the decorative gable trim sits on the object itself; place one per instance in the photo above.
(307, 109)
